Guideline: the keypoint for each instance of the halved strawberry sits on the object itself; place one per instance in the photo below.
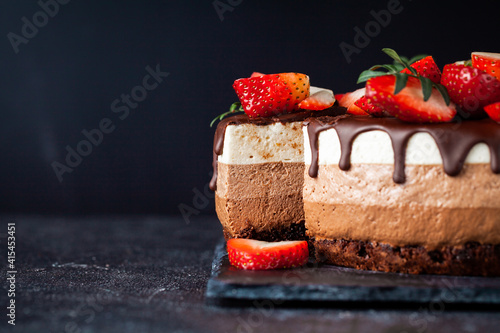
(470, 88)
(493, 110)
(408, 104)
(320, 100)
(426, 67)
(488, 62)
(369, 108)
(350, 98)
(256, 255)
(272, 94)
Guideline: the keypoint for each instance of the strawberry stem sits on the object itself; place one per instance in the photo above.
(235, 107)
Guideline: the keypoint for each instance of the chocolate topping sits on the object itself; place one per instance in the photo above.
(454, 140)
(244, 119)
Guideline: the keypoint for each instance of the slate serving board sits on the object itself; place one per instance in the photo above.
(326, 283)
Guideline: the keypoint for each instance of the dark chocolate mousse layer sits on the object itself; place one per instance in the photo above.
(261, 201)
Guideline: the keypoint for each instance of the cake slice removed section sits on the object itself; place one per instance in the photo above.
(260, 176)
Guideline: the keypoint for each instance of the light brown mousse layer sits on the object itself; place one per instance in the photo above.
(431, 209)
(261, 201)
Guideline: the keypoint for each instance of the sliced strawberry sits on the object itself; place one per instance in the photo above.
(408, 104)
(256, 255)
(256, 74)
(470, 88)
(272, 94)
(426, 67)
(320, 100)
(493, 110)
(369, 108)
(350, 98)
(313, 90)
(488, 62)
(338, 97)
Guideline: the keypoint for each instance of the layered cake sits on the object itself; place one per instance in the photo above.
(383, 194)
(397, 179)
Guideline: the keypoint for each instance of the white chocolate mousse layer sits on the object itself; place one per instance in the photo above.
(251, 144)
(375, 147)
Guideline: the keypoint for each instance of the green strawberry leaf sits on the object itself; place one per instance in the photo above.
(368, 74)
(235, 107)
(443, 92)
(390, 68)
(391, 53)
(426, 87)
(397, 66)
(405, 59)
(401, 79)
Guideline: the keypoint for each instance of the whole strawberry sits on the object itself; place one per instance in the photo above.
(470, 88)
(272, 94)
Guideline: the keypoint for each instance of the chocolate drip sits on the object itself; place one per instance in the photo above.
(244, 119)
(454, 140)
(313, 129)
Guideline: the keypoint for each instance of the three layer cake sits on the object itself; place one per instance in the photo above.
(383, 194)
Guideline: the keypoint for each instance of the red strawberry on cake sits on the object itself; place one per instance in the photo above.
(369, 108)
(488, 62)
(470, 88)
(493, 110)
(408, 104)
(427, 68)
(349, 102)
(271, 94)
(320, 100)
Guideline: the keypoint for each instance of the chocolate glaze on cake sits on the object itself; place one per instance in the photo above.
(244, 119)
(454, 140)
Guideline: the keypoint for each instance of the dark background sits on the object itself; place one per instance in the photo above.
(66, 77)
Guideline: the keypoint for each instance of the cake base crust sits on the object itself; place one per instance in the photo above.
(294, 231)
(471, 259)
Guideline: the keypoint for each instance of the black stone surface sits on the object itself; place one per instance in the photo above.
(149, 274)
(327, 283)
